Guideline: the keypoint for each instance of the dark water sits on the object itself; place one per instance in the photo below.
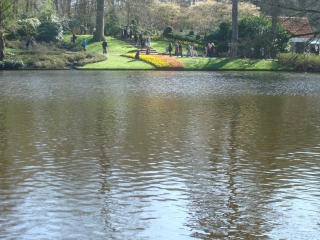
(159, 155)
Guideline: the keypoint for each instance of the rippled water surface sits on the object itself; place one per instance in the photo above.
(159, 155)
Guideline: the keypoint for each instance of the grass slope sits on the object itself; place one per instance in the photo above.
(118, 62)
(117, 47)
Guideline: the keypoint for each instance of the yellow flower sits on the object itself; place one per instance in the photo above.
(158, 61)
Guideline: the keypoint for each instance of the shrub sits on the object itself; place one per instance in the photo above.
(300, 62)
(12, 63)
(167, 31)
(191, 33)
(22, 28)
(50, 32)
(15, 44)
(70, 24)
(198, 37)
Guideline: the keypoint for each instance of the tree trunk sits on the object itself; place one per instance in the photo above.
(234, 38)
(56, 4)
(15, 8)
(274, 16)
(2, 48)
(27, 7)
(69, 8)
(99, 33)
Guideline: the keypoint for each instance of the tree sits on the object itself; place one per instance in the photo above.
(234, 37)
(216, 12)
(5, 7)
(99, 33)
(292, 8)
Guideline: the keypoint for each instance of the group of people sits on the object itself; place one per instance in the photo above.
(208, 50)
(84, 28)
(192, 50)
(126, 33)
(104, 44)
(144, 41)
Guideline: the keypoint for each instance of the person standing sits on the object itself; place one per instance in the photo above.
(137, 56)
(104, 47)
(136, 39)
(170, 49)
(73, 38)
(28, 43)
(140, 38)
(81, 29)
(180, 50)
(189, 50)
(149, 41)
(205, 51)
(84, 44)
(195, 52)
(128, 33)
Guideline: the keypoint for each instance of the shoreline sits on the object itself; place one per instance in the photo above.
(162, 69)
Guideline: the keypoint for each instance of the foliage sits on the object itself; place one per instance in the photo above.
(112, 26)
(164, 14)
(23, 28)
(50, 32)
(215, 12)
(70, 24)
(167, 31)
(191, 33)
(256, 33)
(184, 36)
(220, 36)
(300, 62)
(229, 64)
(91, 58)
(11, 63)
(15, 44)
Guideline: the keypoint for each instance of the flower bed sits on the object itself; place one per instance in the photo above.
(158, 61)
(172, 61)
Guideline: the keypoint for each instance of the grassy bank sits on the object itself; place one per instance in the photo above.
(116, 61)
(51, 57)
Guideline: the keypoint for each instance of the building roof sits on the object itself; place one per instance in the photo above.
(299, 27)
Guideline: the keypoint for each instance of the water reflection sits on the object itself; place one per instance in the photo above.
(159, 155)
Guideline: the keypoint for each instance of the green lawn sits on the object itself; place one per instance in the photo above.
(118, 62)
(117, 47)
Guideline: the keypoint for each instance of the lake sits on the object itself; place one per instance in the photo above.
(159, 155)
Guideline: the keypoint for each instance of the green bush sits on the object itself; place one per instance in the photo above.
(300, 62)
(198, 37)
(22, 28)
(167, 31)
(50, 32)
(222, 47)
(16, 44)
(191, 33)
(11, 64)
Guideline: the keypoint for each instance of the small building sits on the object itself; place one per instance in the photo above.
(300, 30)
